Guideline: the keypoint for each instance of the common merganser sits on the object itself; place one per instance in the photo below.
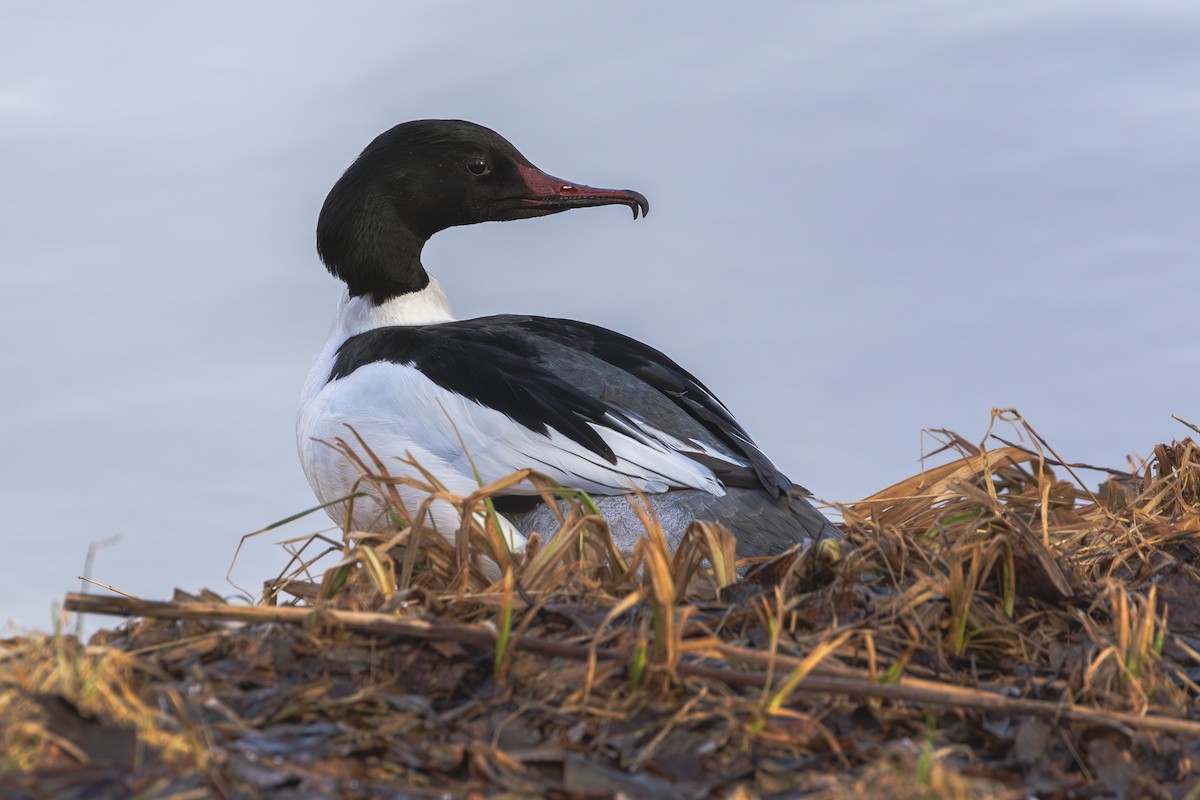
(479, 399)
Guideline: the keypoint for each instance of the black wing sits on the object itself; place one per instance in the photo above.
(553, 373)
(497, 370)
(656, 378)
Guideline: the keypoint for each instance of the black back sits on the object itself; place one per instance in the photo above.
(552, 373)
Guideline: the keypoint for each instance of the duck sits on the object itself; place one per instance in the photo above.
(472, 401)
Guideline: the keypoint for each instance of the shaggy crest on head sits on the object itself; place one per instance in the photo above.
(588, 407)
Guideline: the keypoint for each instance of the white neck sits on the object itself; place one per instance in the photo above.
(359, 314)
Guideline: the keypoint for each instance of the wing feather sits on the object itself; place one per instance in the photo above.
(589, 407)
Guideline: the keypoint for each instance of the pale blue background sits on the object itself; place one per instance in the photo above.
(867, 219)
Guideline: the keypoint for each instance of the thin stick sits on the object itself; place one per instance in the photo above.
(924, 692)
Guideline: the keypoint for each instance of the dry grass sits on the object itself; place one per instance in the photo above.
(991, 627)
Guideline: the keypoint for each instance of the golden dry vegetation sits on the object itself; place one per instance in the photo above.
(1002, 625)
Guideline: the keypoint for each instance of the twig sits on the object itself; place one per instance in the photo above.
(908, 690)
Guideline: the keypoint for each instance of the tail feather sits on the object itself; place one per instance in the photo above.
(763, 525)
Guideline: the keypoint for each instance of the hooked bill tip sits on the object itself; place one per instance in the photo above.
(640, 203)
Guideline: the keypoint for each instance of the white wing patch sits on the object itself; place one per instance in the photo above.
(679, 446)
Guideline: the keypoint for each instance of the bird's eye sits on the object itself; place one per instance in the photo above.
(477, 166)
